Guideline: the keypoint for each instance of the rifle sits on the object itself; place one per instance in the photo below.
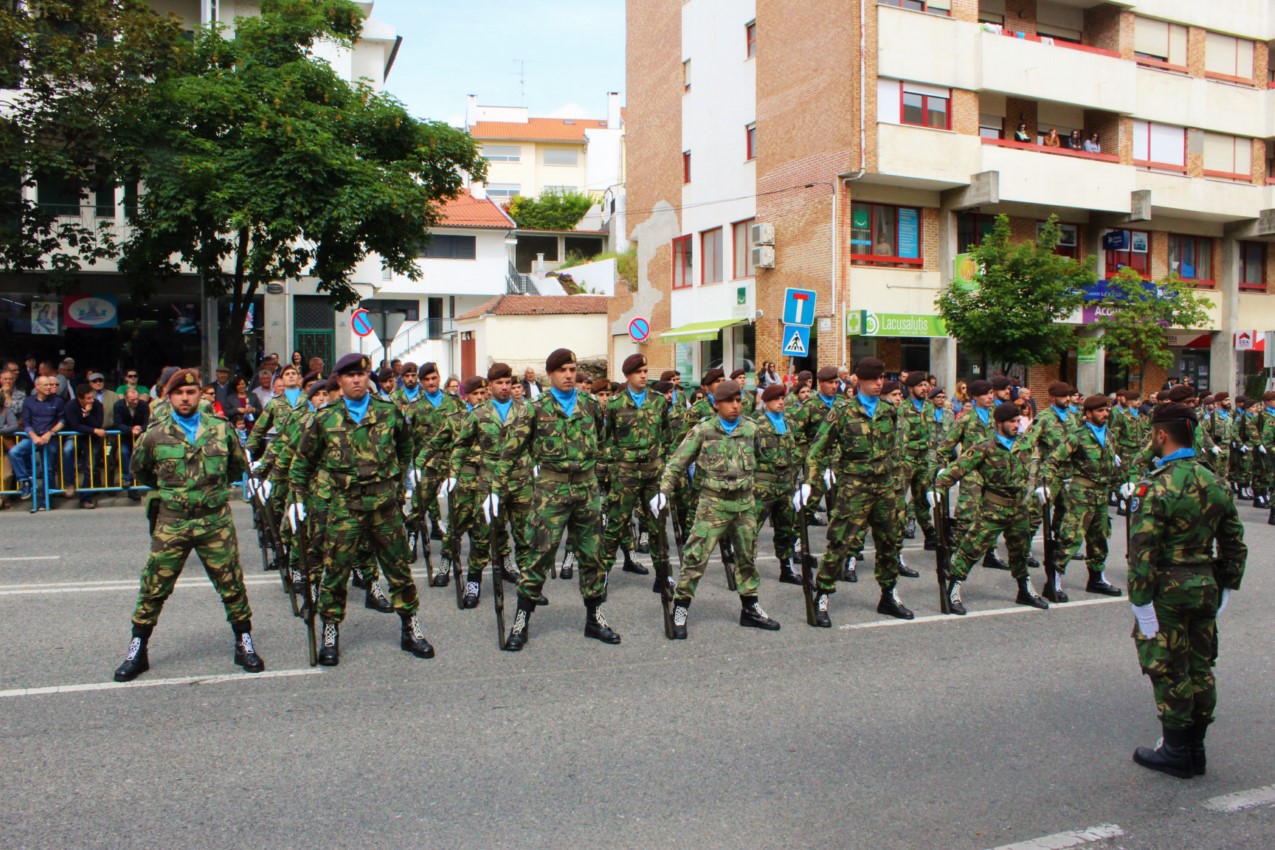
(666, 593)
(280, 551)
(311, 594)
(497, 581)
(1051, 541)
(807, 566)
(662, 577)
(943, 551)
(454, 533)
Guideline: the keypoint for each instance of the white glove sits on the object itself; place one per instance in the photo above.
(535, 471)
(1243, 450)
(1226, 597)
(1042, 493)
(1217, 451)
(1118, 463)
(932, 497)
(491, 507)
(446, 487)
(801, 498)
(413, 477)
(1126, 491)
(829, 478)
(296, 515)
(254, 466)
(262, 490)
(658, 503)
(941, 471)
(1148, 622)
(1262, 449)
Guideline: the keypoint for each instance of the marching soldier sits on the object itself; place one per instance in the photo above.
(778, 466)
(892, 394)
(1052, 427)
(466, 487)
(1179, 586)
(1004, 466)
(740, 376)
(808, 418)
(364, 445)
(429, 418)
(1242, 445)
(189, 460)
(1130, 430)
(408, 397)
(1219, 428)
(387, 382)
(277, 411)
(723, 450)
(1264, 452)
(917, 422)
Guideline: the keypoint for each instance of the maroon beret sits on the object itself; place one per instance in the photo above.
(726, 390)
(632, 363)
(1058, 389)
(427, 369)
(1000, 382)
(868, 369)
(738, 373)
(473, 384)
(1096, 402)
(1007, 411)
(979, 387)
(558, 358)
(353, 362)
(913, 379)
(496, 371)
(772, 392)
(182, 377)
(890, 386)
(601, 385)
(669, 374)
(712, 376)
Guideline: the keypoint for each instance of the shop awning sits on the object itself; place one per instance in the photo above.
(699, 331)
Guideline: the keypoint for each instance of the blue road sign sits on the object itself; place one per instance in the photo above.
(796, 341)
(799, 307)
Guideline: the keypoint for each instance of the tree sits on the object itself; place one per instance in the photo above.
(1135, 317)
(551, 211)
(1025, 293)
(261, 164)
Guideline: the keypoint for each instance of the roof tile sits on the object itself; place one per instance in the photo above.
(539, 305)
(468, 211)
(538, 129)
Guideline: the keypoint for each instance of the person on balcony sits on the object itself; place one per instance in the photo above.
(1092, 145)
(1074, 141)
(1021, 134)
(1052, 140)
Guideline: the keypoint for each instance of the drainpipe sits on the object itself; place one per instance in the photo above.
(840, 307)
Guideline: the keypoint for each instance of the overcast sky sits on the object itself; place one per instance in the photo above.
(573, 50)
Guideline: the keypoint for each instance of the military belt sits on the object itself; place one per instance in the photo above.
(1085, 483)
(556, 477)
(1001, 500)
(728, 489)
(171, 514)
(773, 478)
(369, 488)
(1192, 569)
(470, 470)
(651, 465)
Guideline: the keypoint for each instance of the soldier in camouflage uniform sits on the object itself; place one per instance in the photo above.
(724, 451)
(1004, 465)
(408, 397)
(1241, 448)
(1178, 586)
(465, 488)
(1130, 430)
(892, 394)
(917, 423)
(189, 461)
(680, 424)
(1088, 452)
(364, 445)
(429, 417)
(862, 436)
(749, 399)
(277, 410)
(807, 419)
(778, 467)
(564, 444)
(637, 424)
(1262, 475)
(1049, 432)
(1207, 452)
(1218, 424)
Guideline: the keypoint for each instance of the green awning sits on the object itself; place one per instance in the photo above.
(698, 331)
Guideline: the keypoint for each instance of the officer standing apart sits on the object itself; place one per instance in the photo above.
(189, 460)
(1178, 587)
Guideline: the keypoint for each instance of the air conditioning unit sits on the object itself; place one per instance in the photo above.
(762, 234)
(763, 257)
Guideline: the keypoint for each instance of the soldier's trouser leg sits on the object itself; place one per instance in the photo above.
(467, 518)
(629, 493)
(425, 500)
(385, 531)
(734, 519)
(1084, 522)
(978, 540)
(560, 506)
(1179, 659)
(867, 501)
(516, 507)
(365, 560)
(919, 484)
(214, 542)
(775, 501)
(1018, 540)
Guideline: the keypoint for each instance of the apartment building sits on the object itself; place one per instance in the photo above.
(879, 138)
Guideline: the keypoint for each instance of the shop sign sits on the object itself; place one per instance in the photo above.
(91, 311)
(868, 323)
(1087, 350)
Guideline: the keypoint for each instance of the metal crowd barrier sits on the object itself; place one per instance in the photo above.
(11, 441)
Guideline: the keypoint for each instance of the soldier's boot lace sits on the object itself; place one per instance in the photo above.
(136, 661)
(595, 625)
(954, 603)
(521, 630)
(1098, 584)
(850, 574)
(643, 543)
(568, 565)
(412, 639)
(330, 647)
(1027, 594)
(376, 599)
(680, 613)
(473, 589)
(822, 620)
(246, 654)
(443, 575)
(752, 616)
(358, 580)
(1172, 754)
(632, 566)
(893, 606)
(1054, 590)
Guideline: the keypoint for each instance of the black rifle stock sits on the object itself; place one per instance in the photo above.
(807, 565)
(1051, 542)
(943, 551)
(279, 550)
(495, 529)
(311, 592)
(453, 551)
(661, 574)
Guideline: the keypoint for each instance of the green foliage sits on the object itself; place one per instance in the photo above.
(1136, 318)
(1255, 385)
(551, 211)
(1025, 293)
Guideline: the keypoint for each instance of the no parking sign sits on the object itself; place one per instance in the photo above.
(639, 329)
(361, 322)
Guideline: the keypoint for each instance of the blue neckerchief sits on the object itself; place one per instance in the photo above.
(243, 436)
(918, 403)
(938, 414)
(502, 407)
(729, 427)
(566, 399)
(829, 400)
(1270, 411)
(412, 394)
(777, 419)
(468, 407)
(435, 398)
(1007, 442)
(1060, 412)
(358, 409)
(639, 400)
(1223, 414)
(1100, 433)
(869, 404)
(1136, 413)
(984, 414)
(292, 395)
(1180, 454)
(1072, 408)
(189, 424)
(1250, 414)
(675, 400)
(312, 407)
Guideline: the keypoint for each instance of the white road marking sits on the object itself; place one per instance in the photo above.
(107, 585)
(1242, 800)
(151, 683)
(1060, 840)
(991, 612)
(34, 558)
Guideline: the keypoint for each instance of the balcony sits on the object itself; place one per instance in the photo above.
(1042, 69)
(926, 159)
(1057, 177)
(1212, 105)
(1201, 198)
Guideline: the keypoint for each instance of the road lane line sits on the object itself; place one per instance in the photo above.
(1241, 800)
(151, 683)
(34, 558)
(991, 612)
(1061, 840)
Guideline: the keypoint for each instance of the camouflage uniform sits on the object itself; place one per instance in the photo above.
(1130, 431)
(635, 436)
(967, 431)
(1177, 514)
(191, 482)
(1048, 433)
(464, 503)
(915, 444)
(1219, 425)
(1001, 508)
(1093, 474)
(273, 417)
(1242, 453)
(778, 466)
(724, 464)
(807, 420)
(427, 420)
(1263, 452)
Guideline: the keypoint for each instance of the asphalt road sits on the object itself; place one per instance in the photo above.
(945, 732)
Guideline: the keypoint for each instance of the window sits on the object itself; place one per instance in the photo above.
(562, 156)
(1228, 56)
(686, 166)
(742, 241)
(750, 39)
(991, 127)
(972, 229)
(1227, 156)
(1160, 42)
(885, 235)
(560, 190)
(1161, 146)
(686, 75)
(750, 141)
(1191, 258)
(926, 106)
(1253, 266)
(934, 7)
(1059, 22)
(503, 153)
(504, 190)
(682, 262)
(57, 195)
(1131, 249)
(1068, 239)
(711, 256)
(442, 246)
(991, 12)
(104, 201)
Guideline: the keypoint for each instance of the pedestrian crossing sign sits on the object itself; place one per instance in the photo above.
(796, 341)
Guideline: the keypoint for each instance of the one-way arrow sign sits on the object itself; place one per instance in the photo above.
(796, 341)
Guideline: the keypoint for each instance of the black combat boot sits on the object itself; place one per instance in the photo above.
(1053, 590)
(595, 624)
(298, 581)
(1032, 563)
(376, 599)
(954, 603)
(850, 574)
(330, 644)
(357, 579)
(1196, 745)
(1172, 754)
(909, 529)
(135, 662)
(442, 576)
(906, 571)
(754, 617)
(412, 639)
(632, 566)
(1098, 584)
(788, 575)
(680, 613)
(435, 530)
(1270, 519)
(521, 631)
(507, 572)
(992, 561)
(1027, 595)
(822, 620)
(891, 605)
(568, 566)
(473, 590)
(816, 520)
(655, 586)
(245, 653)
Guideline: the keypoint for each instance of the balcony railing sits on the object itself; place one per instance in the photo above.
(517, 283)
(1059, 151)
